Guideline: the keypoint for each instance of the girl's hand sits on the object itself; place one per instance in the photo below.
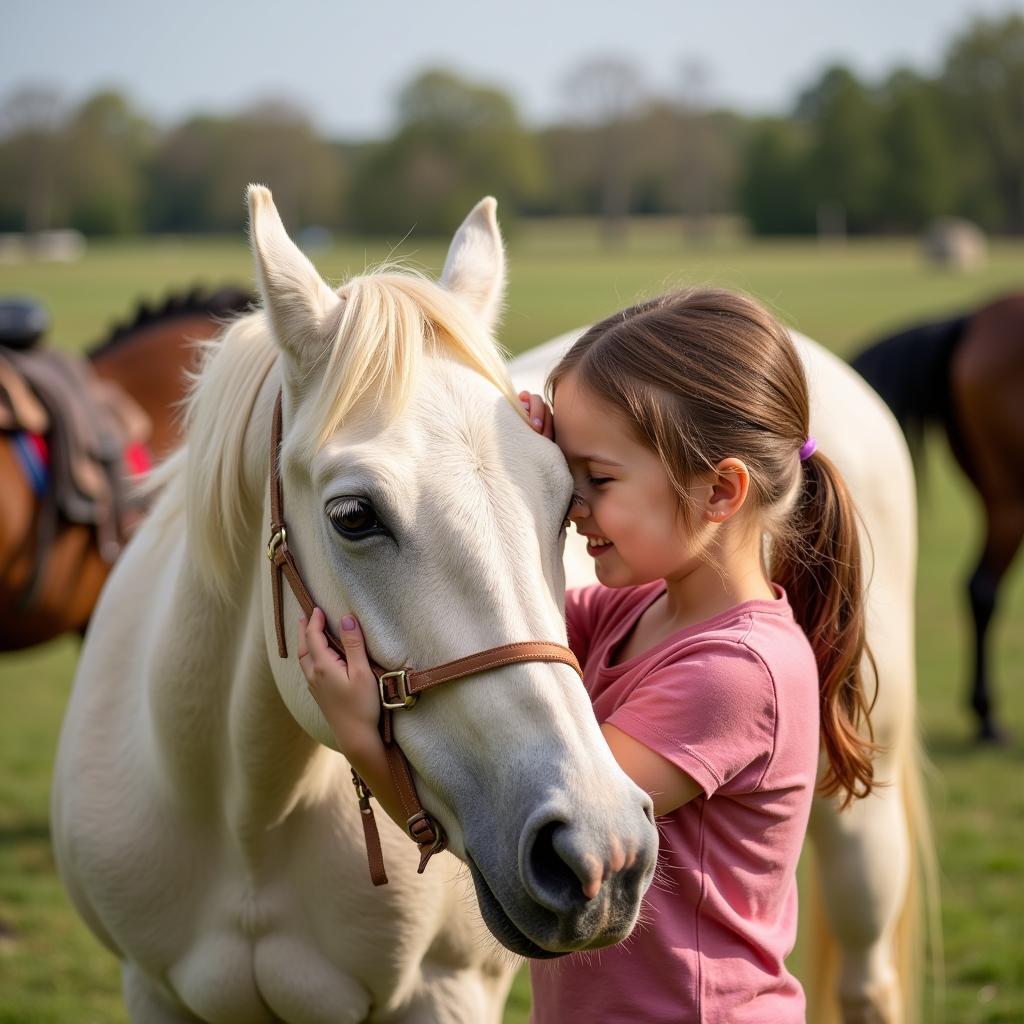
(539, 414)
(345, 690)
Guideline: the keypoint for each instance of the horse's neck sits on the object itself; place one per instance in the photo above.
(152, 366)
(223, 732)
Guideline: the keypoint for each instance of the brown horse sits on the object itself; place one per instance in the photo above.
(967, 375)
(150, 359)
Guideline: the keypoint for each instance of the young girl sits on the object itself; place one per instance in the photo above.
(714, 666)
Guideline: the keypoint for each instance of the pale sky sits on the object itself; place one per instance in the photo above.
(344, 62)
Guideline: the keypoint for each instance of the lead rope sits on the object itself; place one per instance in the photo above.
(398, 688)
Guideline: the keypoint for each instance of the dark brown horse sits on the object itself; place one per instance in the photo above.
(149, 359)
(966, 374)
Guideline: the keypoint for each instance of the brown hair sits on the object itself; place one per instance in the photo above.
(706, 374)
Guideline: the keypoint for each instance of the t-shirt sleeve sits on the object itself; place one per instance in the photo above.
(582, 606)
(711, 714)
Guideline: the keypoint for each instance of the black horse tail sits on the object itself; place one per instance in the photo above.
(911, 372)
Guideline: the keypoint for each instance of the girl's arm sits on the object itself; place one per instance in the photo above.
(347, 694)
(668, 786)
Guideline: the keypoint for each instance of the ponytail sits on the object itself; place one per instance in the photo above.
(818, 563)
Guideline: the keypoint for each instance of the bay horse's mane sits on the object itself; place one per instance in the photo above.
(226, 302)
(910, 370)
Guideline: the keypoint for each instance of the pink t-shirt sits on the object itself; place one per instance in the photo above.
(733, 702)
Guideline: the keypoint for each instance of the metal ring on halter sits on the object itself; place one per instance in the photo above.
(405, 698)
(279, 537)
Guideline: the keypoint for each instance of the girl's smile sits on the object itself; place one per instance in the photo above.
(597, 546)
(626, 506)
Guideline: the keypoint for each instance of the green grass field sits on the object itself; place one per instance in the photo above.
(52, 970)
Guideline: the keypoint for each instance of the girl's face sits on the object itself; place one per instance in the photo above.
(629, 512)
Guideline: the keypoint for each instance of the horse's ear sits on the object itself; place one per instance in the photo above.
(295, 296)
(475, 267)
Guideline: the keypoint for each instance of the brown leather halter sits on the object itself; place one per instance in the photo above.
(399, 688)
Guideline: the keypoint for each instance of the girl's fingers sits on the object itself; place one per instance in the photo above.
(355, 648)
(548, 430)
(316, 642)
(303, 649)
(538, 413)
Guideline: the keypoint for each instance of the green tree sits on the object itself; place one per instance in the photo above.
(203, 166)
(31, 157)
(456, 142)
(844, 162)
(918, 179)
(983, 79)
(571, 156)
(106, 145)
(607, 94)
(772, 191)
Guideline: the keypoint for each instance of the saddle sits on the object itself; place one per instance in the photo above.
(88, 424)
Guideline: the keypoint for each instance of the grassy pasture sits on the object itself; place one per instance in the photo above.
(52, 970)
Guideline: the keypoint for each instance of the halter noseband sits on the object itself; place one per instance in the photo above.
(399, 688)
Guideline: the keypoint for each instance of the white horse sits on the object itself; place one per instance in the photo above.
(868, 856)
(205, 829)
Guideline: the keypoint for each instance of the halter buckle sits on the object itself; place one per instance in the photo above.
(277, 538)
(405, 698)
(362, 793)
(421, 827)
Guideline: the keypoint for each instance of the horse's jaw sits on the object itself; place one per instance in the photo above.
(538, 812)
(604, 921)
(500, 925)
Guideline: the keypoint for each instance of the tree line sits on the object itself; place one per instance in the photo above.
(851, 155)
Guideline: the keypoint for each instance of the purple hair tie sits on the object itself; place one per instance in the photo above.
(808, 449)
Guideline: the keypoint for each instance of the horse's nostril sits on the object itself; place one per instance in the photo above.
(557, 884)
(547, 865)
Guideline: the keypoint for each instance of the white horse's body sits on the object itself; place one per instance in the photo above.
(866, 854)
(204, 827)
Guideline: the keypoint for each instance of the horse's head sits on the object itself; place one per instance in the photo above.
(418, 498)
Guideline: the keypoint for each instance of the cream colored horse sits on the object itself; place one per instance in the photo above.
(868, 855)
(205, 829)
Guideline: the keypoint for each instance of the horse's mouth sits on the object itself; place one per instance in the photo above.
(500, 924)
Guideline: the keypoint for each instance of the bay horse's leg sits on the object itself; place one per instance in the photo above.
(863, 856)
(1004, 532)
(146, 1003)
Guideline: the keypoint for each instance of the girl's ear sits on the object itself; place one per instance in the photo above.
(475, 267)
(727, 492)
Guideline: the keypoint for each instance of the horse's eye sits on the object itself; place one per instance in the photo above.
(354, 518)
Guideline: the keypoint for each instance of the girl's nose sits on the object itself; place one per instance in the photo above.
(579, 508)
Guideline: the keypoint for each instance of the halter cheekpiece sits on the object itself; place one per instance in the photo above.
(399, 689)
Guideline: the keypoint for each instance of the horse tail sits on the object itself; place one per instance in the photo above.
(917, 943)
(821, 965)
(916, 939)
(910, 371)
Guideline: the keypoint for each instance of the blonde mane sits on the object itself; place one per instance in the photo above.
(387, 323)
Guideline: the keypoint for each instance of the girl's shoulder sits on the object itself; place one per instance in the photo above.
(758, 639)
